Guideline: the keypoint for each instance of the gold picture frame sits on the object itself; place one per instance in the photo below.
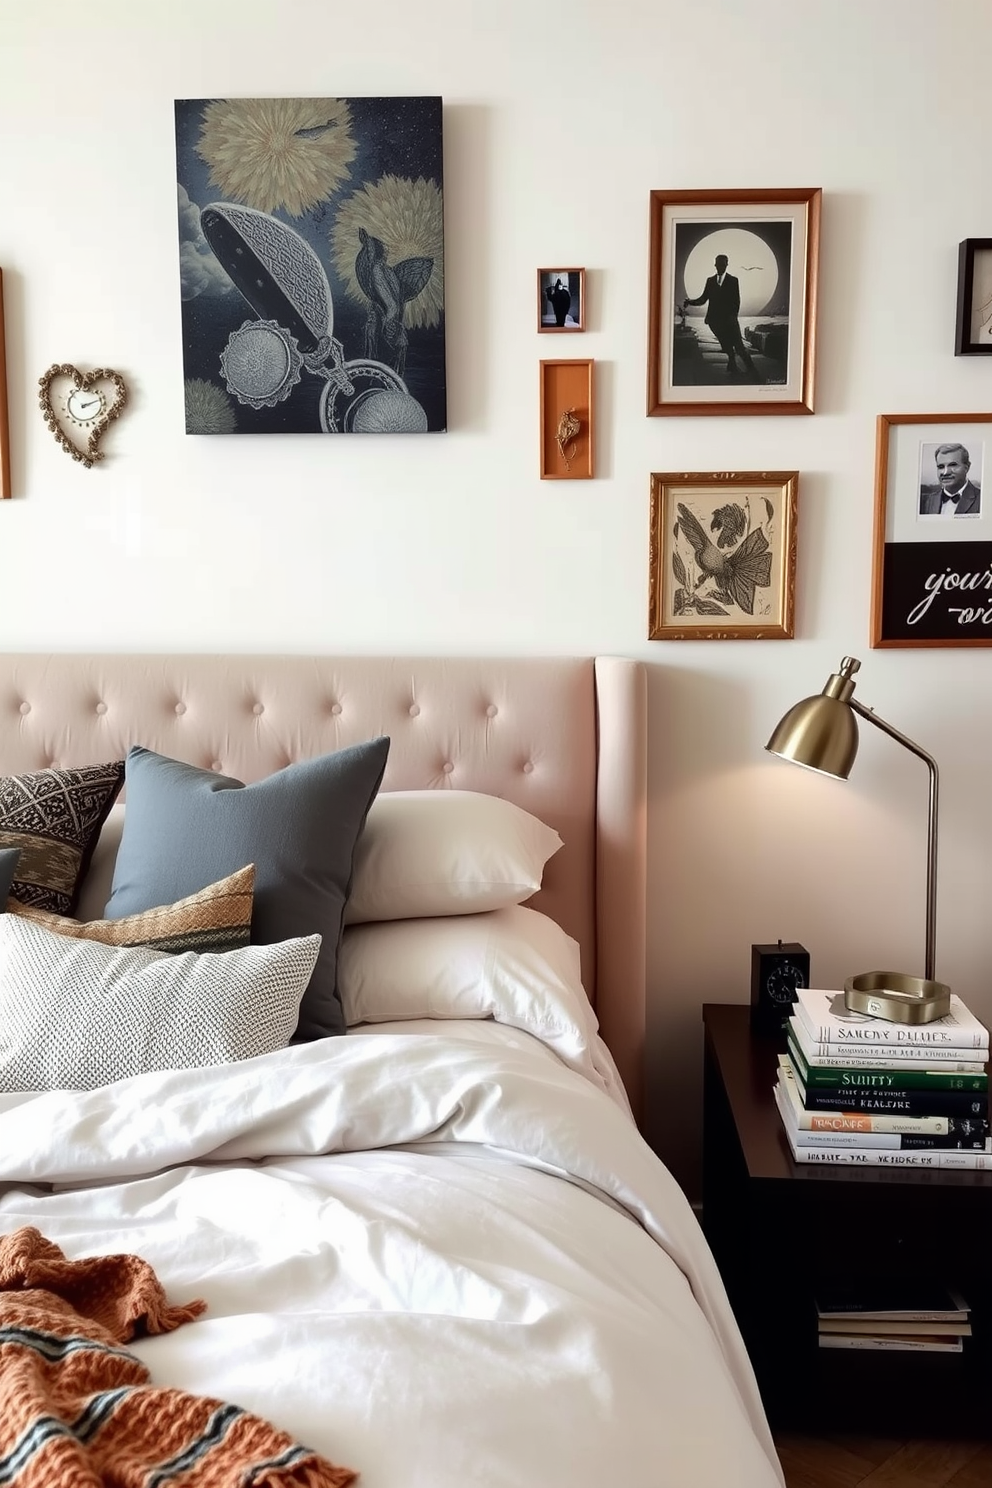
(732, 301)
(723, 556)
(932, 558)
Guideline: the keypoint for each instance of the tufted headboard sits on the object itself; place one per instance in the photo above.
(562, 737)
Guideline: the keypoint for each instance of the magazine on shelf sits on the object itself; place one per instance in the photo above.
(829, 1020)
(894, 1326)
(896, 1343)
(906, 1301)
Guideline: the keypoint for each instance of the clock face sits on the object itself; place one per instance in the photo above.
(783, 981)
(84, 406)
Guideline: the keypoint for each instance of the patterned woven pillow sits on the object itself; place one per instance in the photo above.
(218, 918)
(54, 817)
(75, 1014)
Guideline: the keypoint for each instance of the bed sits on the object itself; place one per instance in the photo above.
(432, 1244)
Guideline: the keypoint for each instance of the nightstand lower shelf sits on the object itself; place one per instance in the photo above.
(781, 1231)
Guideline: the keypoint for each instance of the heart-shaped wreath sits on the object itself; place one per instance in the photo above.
(79, 406)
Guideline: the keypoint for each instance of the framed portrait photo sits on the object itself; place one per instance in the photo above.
(561, 300)
(932, 555)
(723, 556)
(732, 301)
(973, 324)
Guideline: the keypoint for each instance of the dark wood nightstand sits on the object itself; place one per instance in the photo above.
(781, 1230)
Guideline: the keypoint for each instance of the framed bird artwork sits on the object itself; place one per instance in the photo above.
(723, 556)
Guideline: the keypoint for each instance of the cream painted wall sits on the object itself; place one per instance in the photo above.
(553, 140)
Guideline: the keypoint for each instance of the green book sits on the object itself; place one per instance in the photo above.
(913, 1077)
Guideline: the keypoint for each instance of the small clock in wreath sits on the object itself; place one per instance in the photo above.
(777, 973)
(78, 407)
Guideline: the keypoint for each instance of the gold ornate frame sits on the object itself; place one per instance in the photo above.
(679, 218)
(723, 556)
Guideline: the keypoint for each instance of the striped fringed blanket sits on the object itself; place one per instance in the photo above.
(77, 1410)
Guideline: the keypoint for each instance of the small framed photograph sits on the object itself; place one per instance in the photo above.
(973, 326)
(723, 556)
(932, 554)
(732, 301)
(561, 299)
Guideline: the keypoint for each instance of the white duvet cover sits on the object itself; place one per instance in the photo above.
(440, 1256)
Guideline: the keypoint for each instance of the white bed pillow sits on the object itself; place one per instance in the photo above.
(75, 1014)
(513, 965)
(446, 852)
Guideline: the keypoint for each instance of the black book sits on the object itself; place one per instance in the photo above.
(960, 1103)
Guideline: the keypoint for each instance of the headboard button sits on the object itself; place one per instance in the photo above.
(492, 710)
(447, 767)
(24, 709)
(529, 767)
(258, 709)
(180, 709)
(101, 708)
(336, 710)
(414, 710)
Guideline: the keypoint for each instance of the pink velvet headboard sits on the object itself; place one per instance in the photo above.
(563, 737)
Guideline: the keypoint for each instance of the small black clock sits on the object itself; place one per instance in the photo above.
(777, 972)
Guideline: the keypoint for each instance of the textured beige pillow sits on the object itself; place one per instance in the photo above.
(218, 918)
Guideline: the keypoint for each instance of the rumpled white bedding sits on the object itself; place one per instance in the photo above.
(441, 1257)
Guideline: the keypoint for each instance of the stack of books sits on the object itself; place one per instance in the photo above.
(902, 1318)
(855, 1089)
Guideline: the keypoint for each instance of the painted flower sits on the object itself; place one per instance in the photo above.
(268, 153)
(407, 217)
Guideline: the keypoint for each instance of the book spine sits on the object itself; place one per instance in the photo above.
(882, 1031)
(878, 1141)
(899, 1126)
(869, 1157)
(900, 1103)
(938, 1344)
(942, 1061)
(852, 1077)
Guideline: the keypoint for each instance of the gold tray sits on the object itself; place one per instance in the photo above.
(897, 997)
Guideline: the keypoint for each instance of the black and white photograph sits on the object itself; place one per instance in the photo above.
(973, 326)
(932, 555)
(951, 479)
(732, 301)
(561, 299)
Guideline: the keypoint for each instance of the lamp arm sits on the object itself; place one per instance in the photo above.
(931, 764)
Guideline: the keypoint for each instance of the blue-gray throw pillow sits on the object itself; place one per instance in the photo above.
(184, 828)
(8, 867)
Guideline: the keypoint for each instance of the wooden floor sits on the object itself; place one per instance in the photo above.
(867, 1462)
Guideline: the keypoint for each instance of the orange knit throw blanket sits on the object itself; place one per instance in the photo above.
(77, 1410)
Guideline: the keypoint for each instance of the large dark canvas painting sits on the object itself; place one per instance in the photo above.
(311, 240)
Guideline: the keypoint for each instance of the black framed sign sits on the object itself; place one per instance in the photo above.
(932, 559)
(973, 325)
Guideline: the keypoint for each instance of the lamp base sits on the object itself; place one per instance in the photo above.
(897, 997)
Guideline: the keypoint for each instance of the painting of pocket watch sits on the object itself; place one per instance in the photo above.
(312, 265)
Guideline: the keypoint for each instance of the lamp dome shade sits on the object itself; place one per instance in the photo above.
(820, 733)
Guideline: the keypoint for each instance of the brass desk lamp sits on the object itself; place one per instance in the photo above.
(821, 733)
